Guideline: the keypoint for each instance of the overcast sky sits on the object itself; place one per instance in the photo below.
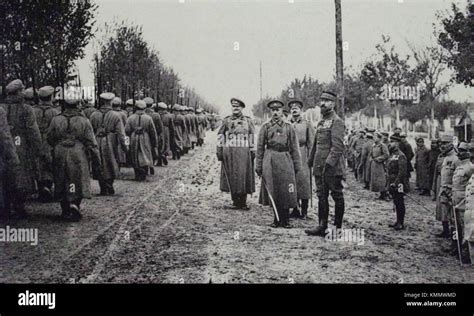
(197, 39)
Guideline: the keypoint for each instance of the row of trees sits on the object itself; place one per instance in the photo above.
(41, 40)
(125, 64)
(425, 68)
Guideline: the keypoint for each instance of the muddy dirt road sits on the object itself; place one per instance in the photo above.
(178, 228)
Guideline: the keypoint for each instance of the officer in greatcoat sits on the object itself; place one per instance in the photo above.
(236, 151)
(278, 159)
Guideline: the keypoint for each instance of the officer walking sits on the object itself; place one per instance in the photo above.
(305, 134)
(44, 113)
(327, 160)
(236, 151)
(121, 153)
(278, 159)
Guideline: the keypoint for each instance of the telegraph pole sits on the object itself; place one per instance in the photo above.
(261, 89)
(339, 61)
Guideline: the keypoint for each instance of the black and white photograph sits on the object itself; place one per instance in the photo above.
(155, 145)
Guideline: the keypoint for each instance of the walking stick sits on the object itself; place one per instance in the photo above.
(275, 212)
(227, 178)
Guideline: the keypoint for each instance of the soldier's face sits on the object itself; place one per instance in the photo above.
(295, 111)
(277, 112)
(236, 108)
(327, 105)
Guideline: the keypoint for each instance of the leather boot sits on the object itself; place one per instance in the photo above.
(445, 232)
(318, 231)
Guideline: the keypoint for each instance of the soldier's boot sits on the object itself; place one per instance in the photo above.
(110, 187)
(19, 205)
(159, 162)
(66, 212)
(103, 187)
(165, 160)
(318, 231)
(304, 208)
(295, 213)
(445, 232)
(152, 171)
(243, 202)
(75, 212)
(285, 214)
(465, 255)
(400, 217)
(338, 209)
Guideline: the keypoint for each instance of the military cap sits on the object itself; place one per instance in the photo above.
(242, 104)
(162, 105)
(361, 131)
(297, 102)
(395, 138)
(129, 102)
(14, 86)
(463, 146)
(29, 93)
(275, 103)
(420, 140)
(384, 134)
(176, 107)
(116, 101)
(446, 139)
(402, 135)
(199, 110)
(140, 104)
(148, 101)
(45, 91)
(371, 130)
(369, 135)
(378, 134)
(107, 96)
(328, 95)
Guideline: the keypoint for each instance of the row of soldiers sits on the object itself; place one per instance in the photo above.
(53, 150)
(384, 164)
